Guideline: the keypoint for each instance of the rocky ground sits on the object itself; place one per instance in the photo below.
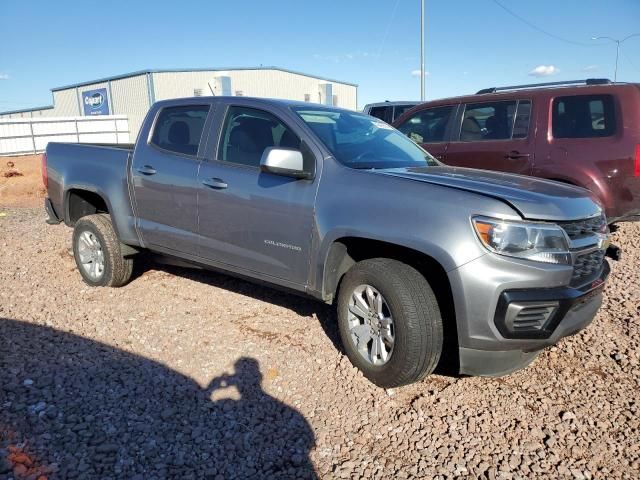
(191, 374)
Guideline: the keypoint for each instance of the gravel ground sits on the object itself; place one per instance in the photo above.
(190, 374)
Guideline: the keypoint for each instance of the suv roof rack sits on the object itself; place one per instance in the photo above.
(588, 81)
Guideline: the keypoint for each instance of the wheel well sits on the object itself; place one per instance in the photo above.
(346, 252)
(81, 203)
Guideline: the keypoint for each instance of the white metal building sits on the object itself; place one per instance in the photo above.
(133, 93)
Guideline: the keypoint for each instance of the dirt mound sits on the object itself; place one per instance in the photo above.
(21, 181)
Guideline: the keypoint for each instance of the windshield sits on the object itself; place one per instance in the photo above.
(360, 141)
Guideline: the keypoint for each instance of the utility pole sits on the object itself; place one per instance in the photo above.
(422, 72)
(617, 42)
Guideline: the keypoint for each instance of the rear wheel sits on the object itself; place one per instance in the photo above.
(389, 321)
(96, 249)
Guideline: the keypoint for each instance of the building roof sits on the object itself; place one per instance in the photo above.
(144, 72)
(24, 110)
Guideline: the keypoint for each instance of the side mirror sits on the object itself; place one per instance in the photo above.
(287, 162)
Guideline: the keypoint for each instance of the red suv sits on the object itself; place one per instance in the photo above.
(585, 132)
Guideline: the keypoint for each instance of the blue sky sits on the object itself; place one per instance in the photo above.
(470, 44)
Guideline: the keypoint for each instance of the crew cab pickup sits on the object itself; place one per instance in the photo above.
(419, 258)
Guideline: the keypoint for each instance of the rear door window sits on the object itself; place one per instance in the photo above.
(428, 125)
(583, 116)
(487, 121)
(523, 120)
(179, 129)
(400, 109)
(383, 113)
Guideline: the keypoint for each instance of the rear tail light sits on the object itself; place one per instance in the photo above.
(636, 170)
(45, 175)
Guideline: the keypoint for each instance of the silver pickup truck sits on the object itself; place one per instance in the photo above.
(421, 260)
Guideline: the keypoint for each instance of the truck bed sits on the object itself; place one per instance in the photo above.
(99, 168)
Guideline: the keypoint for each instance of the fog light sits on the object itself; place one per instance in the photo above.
(524, 317)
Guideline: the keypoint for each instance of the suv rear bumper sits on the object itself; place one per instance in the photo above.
(490, 341)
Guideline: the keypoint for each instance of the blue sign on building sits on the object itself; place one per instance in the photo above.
(95, 102)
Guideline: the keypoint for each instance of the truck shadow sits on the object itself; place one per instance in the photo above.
(71, 407)
(301, 305)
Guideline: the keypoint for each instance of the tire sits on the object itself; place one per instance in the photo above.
(416, 322)
(97, 230)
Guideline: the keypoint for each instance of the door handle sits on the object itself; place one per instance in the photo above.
(216, 183)
(517, 154)
(146, 170)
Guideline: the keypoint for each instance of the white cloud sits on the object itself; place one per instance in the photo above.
(591, 68)
(544, 71)
(4, 76)
(416, 73)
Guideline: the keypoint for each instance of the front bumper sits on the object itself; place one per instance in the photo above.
(491, 341)
(551, 309)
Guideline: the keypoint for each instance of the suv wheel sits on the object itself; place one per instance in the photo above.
(96, 249)
(389, 321)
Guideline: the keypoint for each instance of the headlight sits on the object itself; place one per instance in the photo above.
(539, 242)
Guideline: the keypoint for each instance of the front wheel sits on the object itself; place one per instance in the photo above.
(390, 322)
(96, 249)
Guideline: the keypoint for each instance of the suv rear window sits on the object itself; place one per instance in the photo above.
(179, 129)
(583, 116)
(383, 113)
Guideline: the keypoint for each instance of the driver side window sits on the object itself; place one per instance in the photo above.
(428, 125)
(248, 132)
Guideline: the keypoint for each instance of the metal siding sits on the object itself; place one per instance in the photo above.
(253, 83)
(181, 84)
(285, 85)
(51, 112)
(346, 96)
(65, 104)
(131, 99)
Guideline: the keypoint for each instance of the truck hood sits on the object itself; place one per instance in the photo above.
(533, 198)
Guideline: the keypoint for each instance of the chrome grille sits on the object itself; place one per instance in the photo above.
(582, 228)
(586, 265)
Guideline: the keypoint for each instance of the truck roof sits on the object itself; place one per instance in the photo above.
(254, 100)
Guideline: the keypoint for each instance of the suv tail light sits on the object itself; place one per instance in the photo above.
(636, 170)
(45, 175)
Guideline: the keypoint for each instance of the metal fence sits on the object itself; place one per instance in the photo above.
(24, 136)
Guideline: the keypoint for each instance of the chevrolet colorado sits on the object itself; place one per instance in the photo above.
(420, 259)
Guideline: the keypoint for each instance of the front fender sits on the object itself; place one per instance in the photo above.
(431, 219)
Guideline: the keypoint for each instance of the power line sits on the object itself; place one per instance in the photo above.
(386, 33)
(541, 30)
(633, 65)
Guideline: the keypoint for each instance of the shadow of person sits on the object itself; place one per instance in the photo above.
(274, 438)
(71, 408)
